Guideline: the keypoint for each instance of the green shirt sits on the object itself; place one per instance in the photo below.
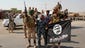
(31, 12)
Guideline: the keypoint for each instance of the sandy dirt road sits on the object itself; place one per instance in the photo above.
(17, 40)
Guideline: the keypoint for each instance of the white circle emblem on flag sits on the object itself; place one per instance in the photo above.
(57, 29)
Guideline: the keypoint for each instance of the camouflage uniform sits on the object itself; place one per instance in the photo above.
(11, 23)
(55, 18)
(31, 27)
(65, 13)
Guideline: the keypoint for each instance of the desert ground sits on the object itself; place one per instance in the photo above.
(17, 40)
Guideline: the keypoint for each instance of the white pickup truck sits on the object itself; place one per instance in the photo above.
(17, 21)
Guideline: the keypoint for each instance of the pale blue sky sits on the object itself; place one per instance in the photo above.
(72, 5)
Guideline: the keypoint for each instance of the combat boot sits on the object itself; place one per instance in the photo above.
(35, 44)
(29, 43)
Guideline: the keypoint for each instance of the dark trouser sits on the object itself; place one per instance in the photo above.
(41, 31)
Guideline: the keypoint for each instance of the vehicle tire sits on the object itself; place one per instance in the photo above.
(14, 26)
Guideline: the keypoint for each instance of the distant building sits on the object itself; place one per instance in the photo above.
(73, 14)
(82, 13)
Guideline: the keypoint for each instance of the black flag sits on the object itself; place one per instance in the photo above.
(60, 31)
